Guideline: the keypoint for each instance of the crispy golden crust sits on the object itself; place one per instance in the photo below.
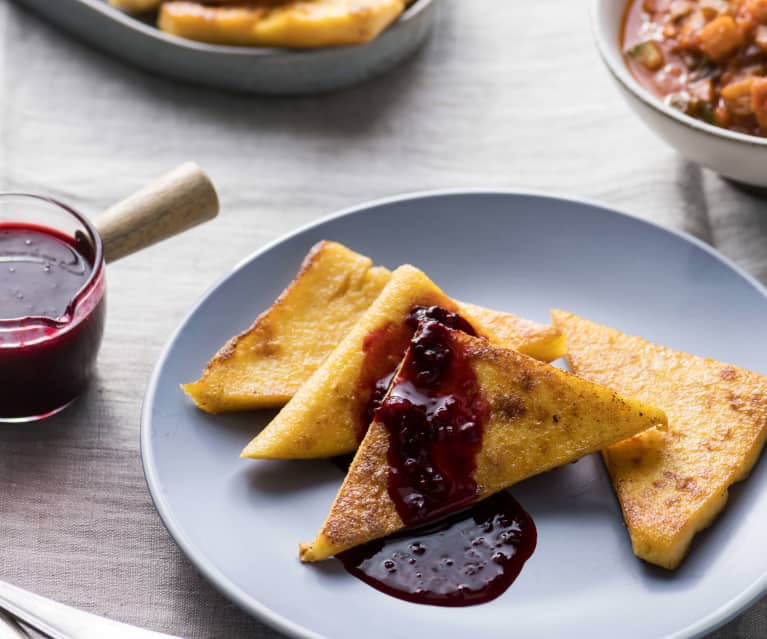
(544, 343)
(672, 483)
(363, 507)
(289, 23)
(540, 418)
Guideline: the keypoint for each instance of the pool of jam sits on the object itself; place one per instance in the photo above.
(466, 559)
(51, 319)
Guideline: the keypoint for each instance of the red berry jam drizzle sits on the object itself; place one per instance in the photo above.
(466, 559)
(384, 349)
(51, 318)
(435, 416)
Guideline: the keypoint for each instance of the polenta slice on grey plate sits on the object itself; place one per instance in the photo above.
(672, 483)
(267, 364)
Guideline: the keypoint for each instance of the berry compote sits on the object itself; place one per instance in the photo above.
(384, 349)
(436, 416)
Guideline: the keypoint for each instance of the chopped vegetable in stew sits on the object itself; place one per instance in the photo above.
(707, 58)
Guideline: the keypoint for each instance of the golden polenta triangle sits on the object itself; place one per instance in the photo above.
(328, 414)
(672, 483)
(289, 23)
(542, 342)
(537, 418)
(265, 366)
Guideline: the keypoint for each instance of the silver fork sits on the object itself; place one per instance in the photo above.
(58, 621)
(9, 629)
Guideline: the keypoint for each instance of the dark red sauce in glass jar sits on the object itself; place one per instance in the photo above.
(52, 306)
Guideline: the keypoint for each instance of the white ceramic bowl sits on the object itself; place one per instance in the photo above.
(734, 155)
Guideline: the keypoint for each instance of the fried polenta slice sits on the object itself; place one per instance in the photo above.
(537, 419)
(291, 23)
(544, 343)
(264, 366)
(328, 415)
(672, 483)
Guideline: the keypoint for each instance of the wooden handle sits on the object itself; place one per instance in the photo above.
(176, 202)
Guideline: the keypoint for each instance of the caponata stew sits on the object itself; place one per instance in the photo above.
(707, 58)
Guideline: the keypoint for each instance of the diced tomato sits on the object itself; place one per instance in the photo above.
(720, 38)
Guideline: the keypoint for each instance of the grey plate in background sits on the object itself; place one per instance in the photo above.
(240, 521)
(246, 69)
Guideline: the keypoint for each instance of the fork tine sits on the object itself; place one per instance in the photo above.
(9, 629)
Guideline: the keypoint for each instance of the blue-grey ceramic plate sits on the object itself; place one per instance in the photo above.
(240, 521)
(247, 69)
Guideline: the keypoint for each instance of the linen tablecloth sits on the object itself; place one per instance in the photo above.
(508, 94)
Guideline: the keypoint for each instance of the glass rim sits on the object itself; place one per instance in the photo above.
(98, 265)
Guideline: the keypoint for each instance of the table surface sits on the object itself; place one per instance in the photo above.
(507, 94)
